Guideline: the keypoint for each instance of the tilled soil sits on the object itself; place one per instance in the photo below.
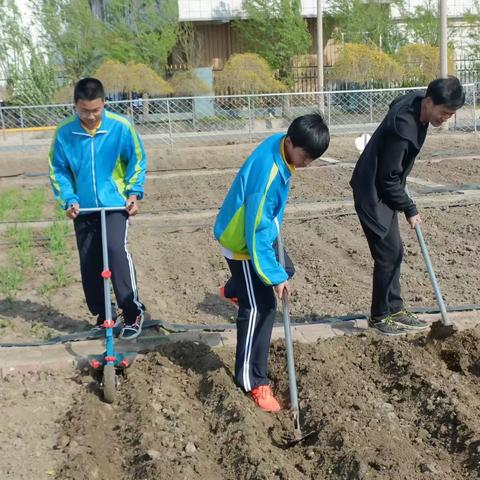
(380, 408)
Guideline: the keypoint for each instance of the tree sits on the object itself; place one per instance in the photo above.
(31, 78)
(362, 64)
(365, 22)
(143, 31)
(130, 78)
(247, 73)
(472, 17)
(421, 63)
(186, 84)
(72, 34)
(12, 37)
(422, 23)
(189, 48)
(275, 30)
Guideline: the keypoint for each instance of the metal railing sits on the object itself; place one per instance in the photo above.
(223, 119)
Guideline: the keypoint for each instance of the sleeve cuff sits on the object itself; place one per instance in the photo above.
(137, 193)
(411, 211)
(70, 201)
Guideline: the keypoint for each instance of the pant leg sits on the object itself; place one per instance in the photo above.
(230, 288)
(124, 278)
(395, 300)
(387, 254)
(89, 243)
(255, 319)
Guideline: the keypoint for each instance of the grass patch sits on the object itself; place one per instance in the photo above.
(8, 202)
(58, 249)
(32, 204)
(5, 323)
(11, 279)
(20, 259)
(22, 206)
(39, 330)
(21, 253)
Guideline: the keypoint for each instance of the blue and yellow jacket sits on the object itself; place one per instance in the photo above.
(98, 169)
(252, 212)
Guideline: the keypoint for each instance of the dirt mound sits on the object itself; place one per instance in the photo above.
(381, 408)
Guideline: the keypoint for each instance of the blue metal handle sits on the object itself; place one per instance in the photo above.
(292, 379)
(109, 347)
(431, 274)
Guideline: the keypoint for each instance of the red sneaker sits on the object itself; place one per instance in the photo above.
(233, 300)
(263, 397)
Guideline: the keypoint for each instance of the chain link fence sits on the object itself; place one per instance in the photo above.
(214, 120)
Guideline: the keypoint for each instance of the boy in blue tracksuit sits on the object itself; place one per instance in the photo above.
(246, 227)
(98, 160)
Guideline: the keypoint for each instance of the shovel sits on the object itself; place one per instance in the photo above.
(298, 435)
(444, 328)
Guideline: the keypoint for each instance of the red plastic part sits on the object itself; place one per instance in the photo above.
(108, 324)
(95, 364)
(124, 363)
(106, 274)
(110, 359)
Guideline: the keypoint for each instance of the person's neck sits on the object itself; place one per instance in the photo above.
(287, 159)
(423, 113)
(93, 128)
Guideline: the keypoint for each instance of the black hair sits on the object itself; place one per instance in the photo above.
(447, 91)
(310, 133)
(88, 89)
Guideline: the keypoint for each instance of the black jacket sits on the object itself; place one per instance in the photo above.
(380, 175)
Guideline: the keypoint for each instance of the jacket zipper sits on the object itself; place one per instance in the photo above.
(93, 171)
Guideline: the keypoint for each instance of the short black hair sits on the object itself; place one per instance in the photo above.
(88, 89)
(310, 133)
(447, 91)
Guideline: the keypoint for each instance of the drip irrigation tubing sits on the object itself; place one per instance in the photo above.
(221, 327)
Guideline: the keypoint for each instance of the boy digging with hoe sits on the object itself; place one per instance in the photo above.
(378, 184)
(247, 226)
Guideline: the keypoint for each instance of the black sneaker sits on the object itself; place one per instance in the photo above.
(387, 326)
(409, 320)
(133, 330)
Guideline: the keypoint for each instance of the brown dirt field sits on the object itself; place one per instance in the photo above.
(379, 408)
(382, 408)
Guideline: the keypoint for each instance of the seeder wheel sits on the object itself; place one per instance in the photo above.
(109, 383)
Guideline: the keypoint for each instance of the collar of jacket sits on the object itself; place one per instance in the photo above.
(281, 163)
(79, 130)
(404, 117)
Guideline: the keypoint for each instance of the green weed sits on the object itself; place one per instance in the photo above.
(8, 201)
(31, 205)
(11, 279)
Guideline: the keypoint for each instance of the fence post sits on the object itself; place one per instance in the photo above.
(371, 106)
(132, 112)
(2, 118)
(250, 119)
(169, 122)
(475, 107)
(22, 126)
(329, 108)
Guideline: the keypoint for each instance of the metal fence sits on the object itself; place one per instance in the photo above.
(224, 119)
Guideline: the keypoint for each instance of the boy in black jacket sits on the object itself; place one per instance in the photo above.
(378, 184)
